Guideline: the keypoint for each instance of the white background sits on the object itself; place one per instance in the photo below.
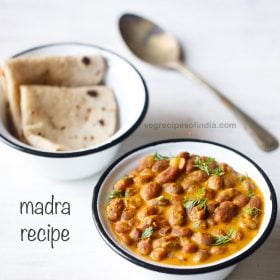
(234, 44)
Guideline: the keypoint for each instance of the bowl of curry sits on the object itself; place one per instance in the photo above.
(184, 206)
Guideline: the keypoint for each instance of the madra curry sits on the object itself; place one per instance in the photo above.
(185, 210)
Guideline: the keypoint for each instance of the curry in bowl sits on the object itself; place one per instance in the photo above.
(185, 209)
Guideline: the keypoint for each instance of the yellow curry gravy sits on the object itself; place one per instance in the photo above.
(185, 210)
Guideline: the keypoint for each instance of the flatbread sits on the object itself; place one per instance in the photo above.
(64, 118)
(51, 70)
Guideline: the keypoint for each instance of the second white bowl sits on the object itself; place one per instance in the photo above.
(132, 98)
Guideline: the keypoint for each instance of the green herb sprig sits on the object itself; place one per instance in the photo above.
(190, 203)
(250, 193)
(158, 156)
(147, 232)
(204, 165)
(217, 171)
(223, 239)
(116, 194)
(162, 200)
(253, 211)
(200, 200)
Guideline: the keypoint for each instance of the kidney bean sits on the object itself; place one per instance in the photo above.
(122, 227)
(114, 209)
(190, 163)
(178, 162)
(190, 248)
(145, 176)
(218, 250)
(164, 231)
(211, 206)
(168, 175)
(145, 247)
(168, 242)
(184, 155)
(210, 194)
(249, 223)
(125, 239)
(241, 200)
(173, 188)
(135, 234)
(198, 176)
(151, 210)
(181, 231)
(248, 185)
(149, 221)
(128, 214)
(196, 213)
(229, 181)
(123, 184)
(223, 166)
(200, 256)
(160, 165)
(215, 182)
(202, 239)
(147, 162)
(227, 194)
(225, 212)
(255, 202)
(133, 222)
(150, 190)
(176, 215)
(159, 254)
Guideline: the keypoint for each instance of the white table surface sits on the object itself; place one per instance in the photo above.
(234, 44)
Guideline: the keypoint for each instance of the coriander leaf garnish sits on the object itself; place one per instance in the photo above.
(190, 203)
(127, 193)
(217, 171)
(250, 193)
(201, 192)
(242, 177)
(200, 200)
(204, 165)
(147, 232)
(158, 156)
(116, 193)
(253, 211)
(162, 200)
(223, 239)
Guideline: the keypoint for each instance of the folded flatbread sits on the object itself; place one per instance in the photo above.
(64, 118)
(52, 70)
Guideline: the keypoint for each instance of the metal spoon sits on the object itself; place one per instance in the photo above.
(152, 44)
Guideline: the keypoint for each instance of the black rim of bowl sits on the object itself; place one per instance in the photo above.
(171, 270)
(89, 150)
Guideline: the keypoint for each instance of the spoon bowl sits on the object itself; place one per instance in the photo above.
(149, 42)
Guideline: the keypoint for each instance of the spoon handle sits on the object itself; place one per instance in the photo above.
(265, 140)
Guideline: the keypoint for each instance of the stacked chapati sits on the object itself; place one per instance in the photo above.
(58, 103)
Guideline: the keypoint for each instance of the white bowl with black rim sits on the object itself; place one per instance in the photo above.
(212, 271)
(132, 98)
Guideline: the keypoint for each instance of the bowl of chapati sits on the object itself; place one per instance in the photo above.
(66, 107)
